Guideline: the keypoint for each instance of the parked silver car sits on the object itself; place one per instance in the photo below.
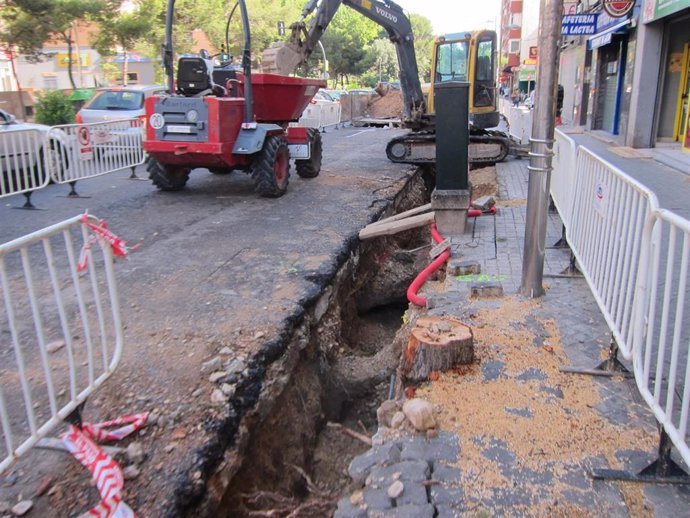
(118, 102)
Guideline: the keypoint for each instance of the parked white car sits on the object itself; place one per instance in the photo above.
(30, 149)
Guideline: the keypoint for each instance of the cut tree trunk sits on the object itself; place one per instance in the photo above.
(436, 344)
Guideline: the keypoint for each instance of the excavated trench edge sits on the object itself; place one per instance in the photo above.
(197, 487)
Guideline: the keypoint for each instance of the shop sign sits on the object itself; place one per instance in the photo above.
(656, 9)
(529, 62)
(62, 59)
(527, 73)
(618, 8)
(533, 53)
(579, 24)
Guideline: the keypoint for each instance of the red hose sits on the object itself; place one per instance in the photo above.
(419, 281)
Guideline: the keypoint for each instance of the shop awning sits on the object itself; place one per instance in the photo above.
(604, 37)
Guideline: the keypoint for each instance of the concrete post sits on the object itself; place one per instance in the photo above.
(541, 150)
(451, 197)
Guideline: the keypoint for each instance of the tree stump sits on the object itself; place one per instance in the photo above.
(436, 344)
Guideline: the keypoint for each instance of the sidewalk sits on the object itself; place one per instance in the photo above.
(515, 436)
(664, 170)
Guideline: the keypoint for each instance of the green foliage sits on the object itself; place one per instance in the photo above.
(423, 44)
(53, 108)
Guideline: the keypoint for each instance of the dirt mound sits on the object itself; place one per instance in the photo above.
(484, 182)
(388, 106)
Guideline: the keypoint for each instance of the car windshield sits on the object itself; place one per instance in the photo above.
(116, 100)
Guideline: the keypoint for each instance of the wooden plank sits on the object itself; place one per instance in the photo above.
(393, 227)
(403, 215)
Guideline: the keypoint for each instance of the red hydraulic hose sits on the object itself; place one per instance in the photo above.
(419, 281)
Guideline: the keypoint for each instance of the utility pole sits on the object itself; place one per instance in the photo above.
(541, 149)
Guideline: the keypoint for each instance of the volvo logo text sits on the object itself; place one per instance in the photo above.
(386, 14)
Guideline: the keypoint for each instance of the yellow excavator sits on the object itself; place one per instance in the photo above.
(465, 56)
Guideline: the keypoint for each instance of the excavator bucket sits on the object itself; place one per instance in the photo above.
(282, 58)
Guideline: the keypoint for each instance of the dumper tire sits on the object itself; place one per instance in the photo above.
(311, 167)
(271, 168)
(167, 177)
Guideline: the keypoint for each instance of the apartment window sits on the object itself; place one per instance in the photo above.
(514, 46)
(516, 19)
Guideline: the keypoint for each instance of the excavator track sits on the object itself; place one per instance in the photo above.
(419, 148)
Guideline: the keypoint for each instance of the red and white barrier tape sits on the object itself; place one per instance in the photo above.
(100, 231)
(104, 470)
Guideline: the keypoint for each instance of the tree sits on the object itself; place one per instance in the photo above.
(124, 31)
(423, 44)
(29, 24)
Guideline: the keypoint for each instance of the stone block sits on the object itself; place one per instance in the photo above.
(489, 289)
(445, 447)
(380, 455)
(463, 267)
(483, 203)
(410, 511)
(406, 471)
(413, 494)
(377, 499)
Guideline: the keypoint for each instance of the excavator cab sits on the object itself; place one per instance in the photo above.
(469, 57)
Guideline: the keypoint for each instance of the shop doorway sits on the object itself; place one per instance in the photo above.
(681, 121)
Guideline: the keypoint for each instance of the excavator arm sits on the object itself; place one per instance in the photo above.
(285, 58)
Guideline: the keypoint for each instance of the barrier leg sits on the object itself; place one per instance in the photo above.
(73, 191)
(562, 242)
(663, 470)
(609, 367)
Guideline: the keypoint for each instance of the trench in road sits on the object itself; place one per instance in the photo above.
(343, 361)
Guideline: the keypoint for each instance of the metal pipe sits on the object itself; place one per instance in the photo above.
(247, 64)
(168, 47)
(541, 150)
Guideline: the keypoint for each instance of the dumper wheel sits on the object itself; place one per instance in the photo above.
(271, 168)
(311, 167)
(167, 177)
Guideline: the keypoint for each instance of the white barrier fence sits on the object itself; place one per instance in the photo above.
(30, 158)
(609, 213)
(23, 158)
(635, 258)
(98, 148)
(64, 333)
(564, 176)
(662, 335)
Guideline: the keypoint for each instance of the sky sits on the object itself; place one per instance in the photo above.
(456, 15)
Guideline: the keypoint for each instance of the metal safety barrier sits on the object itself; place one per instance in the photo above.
(635, 258)
(98, 148)
(23, 157)
(609, 214)
(61, 329)
(564, 176)
(662, 331)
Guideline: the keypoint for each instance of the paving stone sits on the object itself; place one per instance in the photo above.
(414, 493)
(377, 499)
(531, 374)
(407, 471)
(445, 473)
(409, 511)
(444, 511)
(347, 510)
(492, 370)
(522, 412)
(444, 447)
(380, 455)
(441, 494)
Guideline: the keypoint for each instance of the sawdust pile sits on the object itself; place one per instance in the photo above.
(390, 106)
(558, 424)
